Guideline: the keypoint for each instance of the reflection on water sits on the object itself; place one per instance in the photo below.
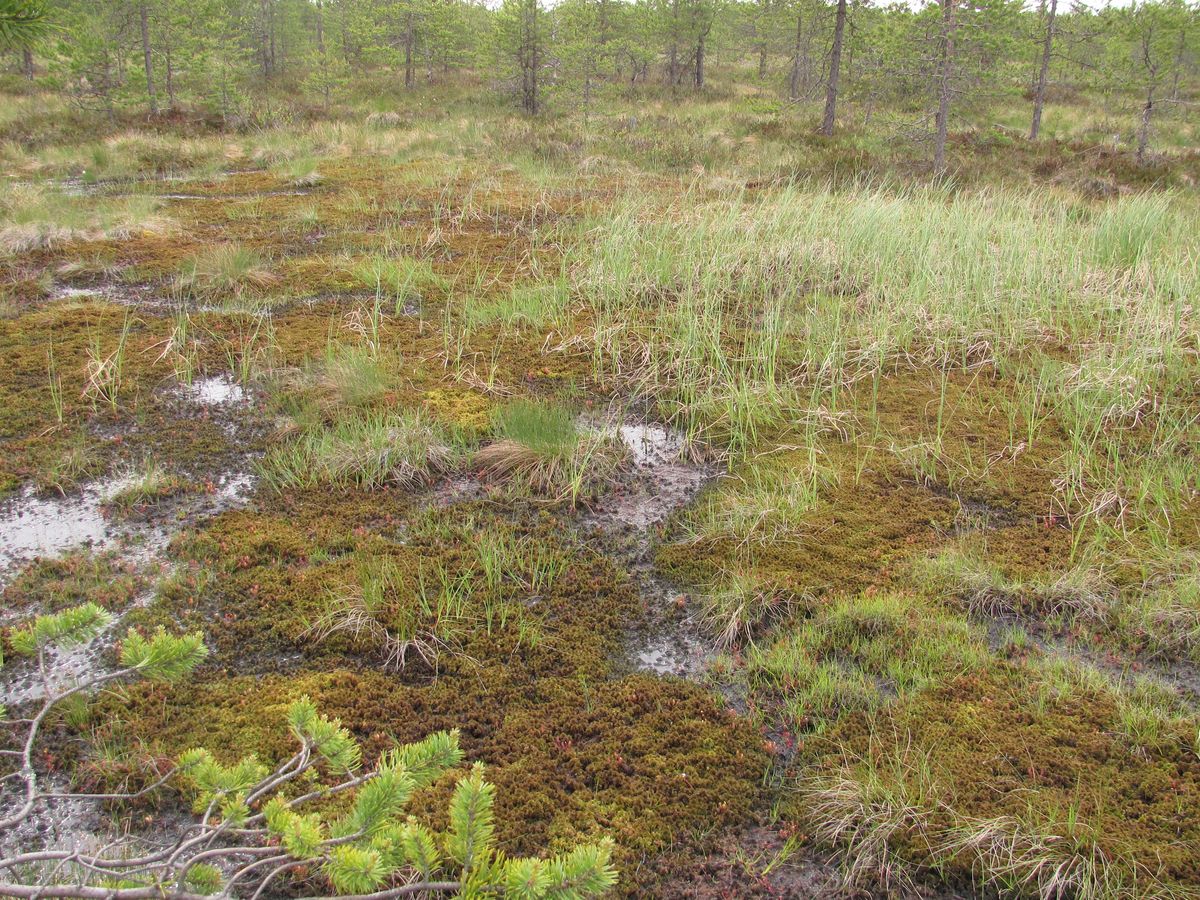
(32, 525)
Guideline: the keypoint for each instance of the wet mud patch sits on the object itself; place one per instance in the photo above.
(628, 519)
(104, 542)
(64, 823)
(148, 297)
(218, 391)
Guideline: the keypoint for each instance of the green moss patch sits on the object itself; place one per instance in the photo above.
(1009, 754)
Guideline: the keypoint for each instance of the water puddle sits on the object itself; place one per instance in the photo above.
(74, 293)
(664, 480)
(215, 390)
(65, 667)
(33, 525)
(235, 487)
(459, 489)
(110, 292)
(38, 527)
(60, 824)
(292, 192)
(682, 654)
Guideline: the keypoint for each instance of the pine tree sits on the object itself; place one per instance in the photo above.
(365, 844)
(23, 23)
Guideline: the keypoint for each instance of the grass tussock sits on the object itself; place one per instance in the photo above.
(353, 377)
(1157, 618)
(105, 372)
(226, 272)
(542, 446)
(539, 306)
(368, 451)
(385, 615)
(868, 809)
(887, 820)
(766, 503)
(348, 379)
(741, 607)
(402, 613)
(1168, 613)
(405, 281)
(1077, 594)
(33, 217)
(79, 461)
(150, 483)
(1039, 860)
(299, 172)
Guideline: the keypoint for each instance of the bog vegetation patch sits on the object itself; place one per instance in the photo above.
(652, 501)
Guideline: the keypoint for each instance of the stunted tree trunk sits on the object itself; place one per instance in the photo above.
(1039, 91)
(835, 70)
(945, 81)
(529, 56)
(587, 95)
(271, 32)
(1180, 53)
(408, 51)
(266, 12)
(673, 51)
(321, 52)
(264, 44)
(172, 102)
(797, 60)
(147, 58)
(1143, 132)
(700, 42)
(27, 63)
(1151, 65)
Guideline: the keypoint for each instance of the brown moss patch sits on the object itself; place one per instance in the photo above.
(53, 346)
(276, 574)
(653, 763)
(853, 538)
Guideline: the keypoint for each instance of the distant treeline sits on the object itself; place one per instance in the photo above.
(949, 55)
